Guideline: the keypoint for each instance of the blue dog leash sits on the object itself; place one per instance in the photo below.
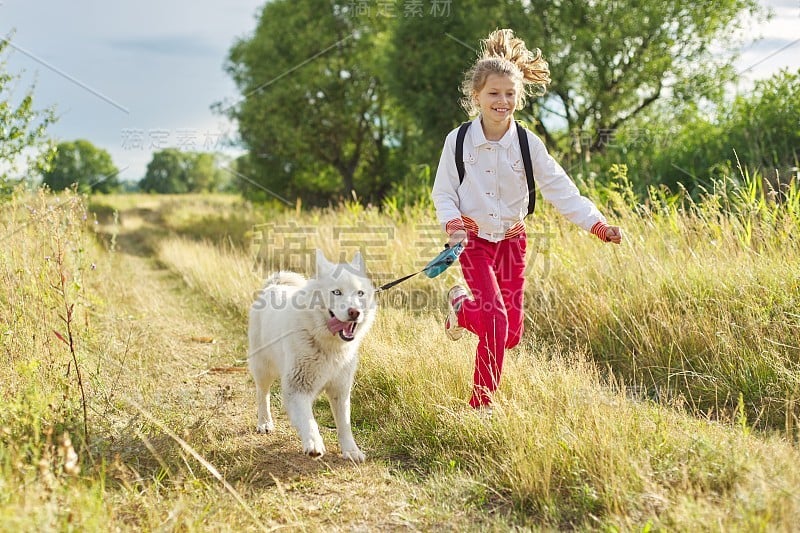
(438, 264)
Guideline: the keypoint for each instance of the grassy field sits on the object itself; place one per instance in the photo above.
(656, 388)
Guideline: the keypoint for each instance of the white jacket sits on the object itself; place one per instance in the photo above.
(494, 192)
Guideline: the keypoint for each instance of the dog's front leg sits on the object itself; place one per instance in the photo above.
(339, 395)
(298, 407)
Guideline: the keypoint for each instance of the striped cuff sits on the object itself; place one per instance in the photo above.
(454, 225)
(600, 229)
(471, 227)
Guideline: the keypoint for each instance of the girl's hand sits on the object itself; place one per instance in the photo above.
(458, 236)
(613, 234)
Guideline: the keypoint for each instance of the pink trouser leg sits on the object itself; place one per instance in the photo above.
(495, 275)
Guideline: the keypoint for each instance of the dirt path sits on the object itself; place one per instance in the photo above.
(184, 362)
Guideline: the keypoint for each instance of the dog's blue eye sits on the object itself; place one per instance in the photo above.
(337, 292)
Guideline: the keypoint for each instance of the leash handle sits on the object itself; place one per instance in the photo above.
(442, 262)
(439, 264)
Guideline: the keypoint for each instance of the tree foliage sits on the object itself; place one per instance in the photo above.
(427, 58)
(173, 171)
(609, 59)
(758, 130)
(765, 126)
(22, 128)
(313, 110)
(83, 164)
(335, 100)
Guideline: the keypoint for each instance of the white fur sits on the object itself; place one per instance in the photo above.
(289, 339)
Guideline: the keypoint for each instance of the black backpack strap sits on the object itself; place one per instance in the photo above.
(526, 160)
(462, 133)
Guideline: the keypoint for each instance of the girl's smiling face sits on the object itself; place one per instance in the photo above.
(498, 98)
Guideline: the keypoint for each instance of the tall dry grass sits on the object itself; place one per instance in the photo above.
(655, 388)
(698, 307)
(47, 266)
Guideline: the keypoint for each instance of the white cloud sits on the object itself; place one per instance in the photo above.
(776, 47)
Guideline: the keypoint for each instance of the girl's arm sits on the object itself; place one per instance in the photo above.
(558, 189)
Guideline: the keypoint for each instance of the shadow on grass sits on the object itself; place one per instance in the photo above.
(253, 461)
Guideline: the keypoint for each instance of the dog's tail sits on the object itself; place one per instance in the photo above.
(292, 279)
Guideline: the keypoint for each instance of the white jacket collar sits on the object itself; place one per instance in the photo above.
(479, 139)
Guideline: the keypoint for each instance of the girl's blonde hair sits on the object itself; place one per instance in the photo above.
(503, 53)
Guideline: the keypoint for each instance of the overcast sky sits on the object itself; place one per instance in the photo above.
(136, 77)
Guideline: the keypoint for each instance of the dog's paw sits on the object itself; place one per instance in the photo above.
(267, 427)
(356, 455)
(314, 448)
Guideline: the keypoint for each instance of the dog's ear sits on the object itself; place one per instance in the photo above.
(323, 265)
(358, 263)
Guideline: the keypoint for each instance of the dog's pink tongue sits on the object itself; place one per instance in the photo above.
(335, 325)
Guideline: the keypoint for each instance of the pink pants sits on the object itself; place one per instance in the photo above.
(495, 273)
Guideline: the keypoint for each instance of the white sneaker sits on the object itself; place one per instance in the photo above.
(455, 297)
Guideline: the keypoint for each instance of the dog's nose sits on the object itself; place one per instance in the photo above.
(353, 313)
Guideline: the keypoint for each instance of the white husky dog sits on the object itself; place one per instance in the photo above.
(307, 332)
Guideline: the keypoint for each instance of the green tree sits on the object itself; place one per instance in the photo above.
(202, 173)
(427, 57)
(82, 163)
(172, 171)
(22, 128)
(609, 60)
(167, 173)
(313, 110)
